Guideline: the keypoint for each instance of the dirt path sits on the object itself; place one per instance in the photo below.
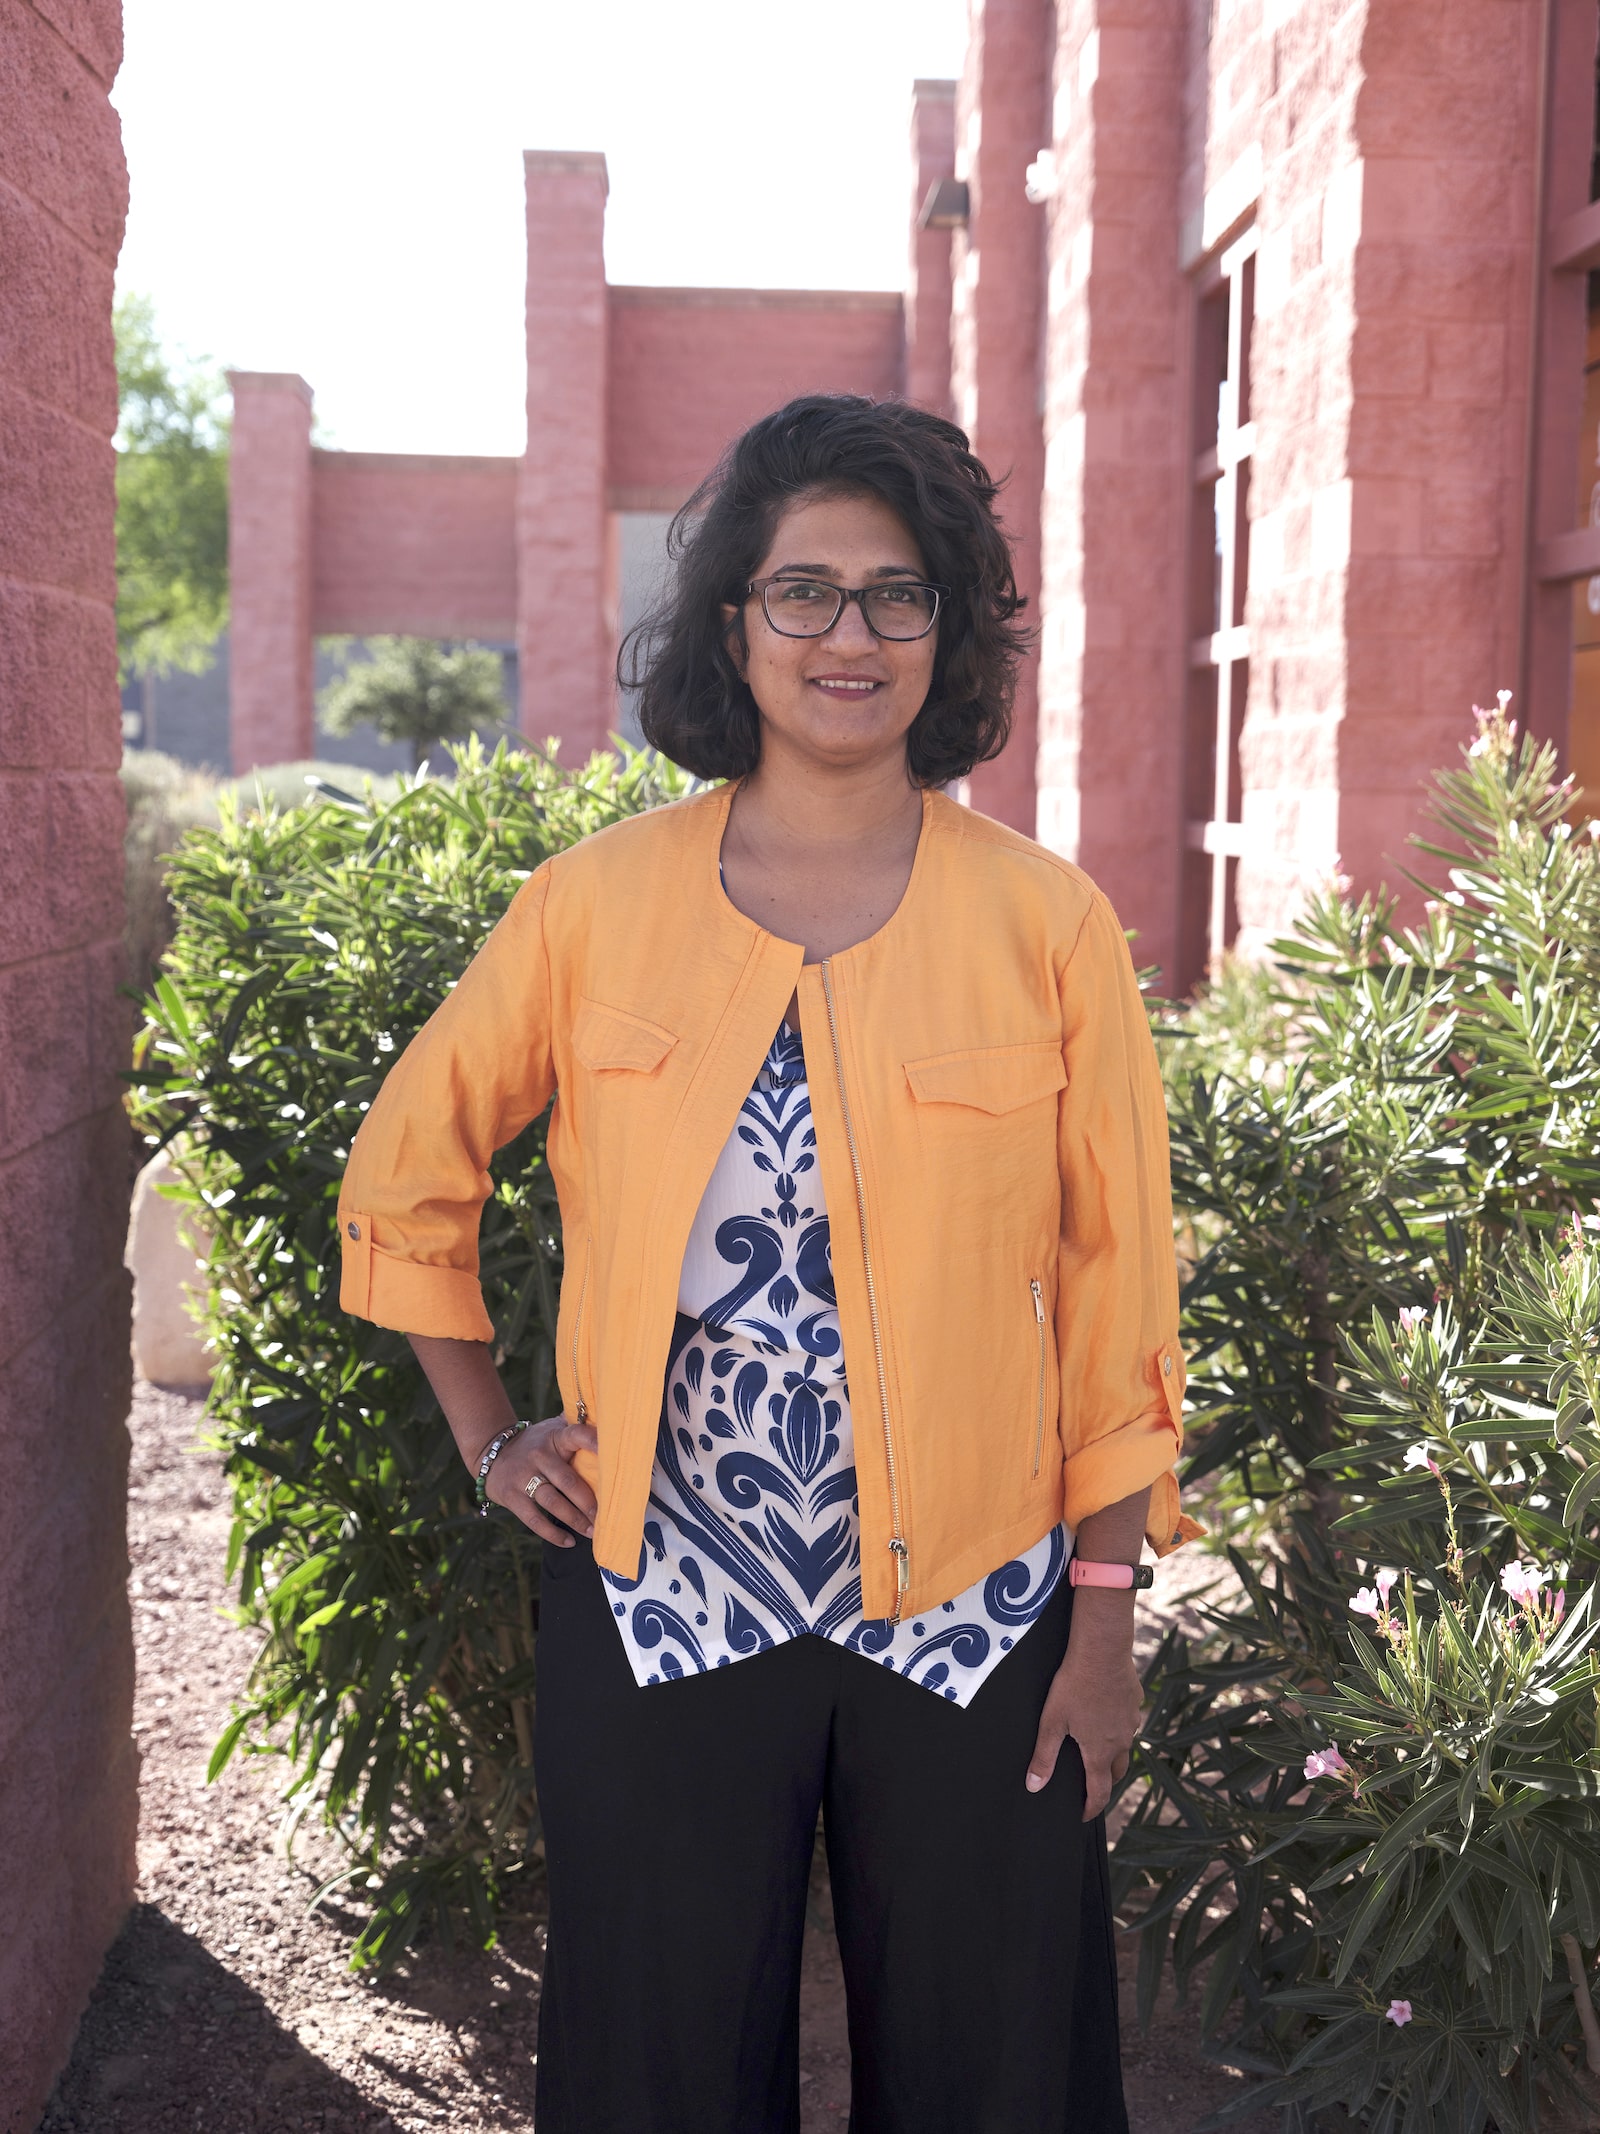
(224, 2009)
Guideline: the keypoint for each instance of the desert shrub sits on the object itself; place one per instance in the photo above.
(395, 1673)
(1367, 1815)
(164, 799)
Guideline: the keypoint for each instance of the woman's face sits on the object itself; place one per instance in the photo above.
(848, 698)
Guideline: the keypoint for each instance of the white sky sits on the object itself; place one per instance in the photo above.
(335, 186)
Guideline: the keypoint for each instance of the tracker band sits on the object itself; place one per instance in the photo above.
(1122, 1575)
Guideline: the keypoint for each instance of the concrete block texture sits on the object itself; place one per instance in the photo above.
(665, 430)
(1002, 121)
(1112, 668)
(60, 140)
(68, 1776)
(269, 566)
(927, 329)
(564, 645)
(421, 546)
(56, 654)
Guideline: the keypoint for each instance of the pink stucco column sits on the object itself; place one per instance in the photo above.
(1112, 661)
(69, 1769)
(269, 567)
(997, 267)
(933, 156)
(564, 600)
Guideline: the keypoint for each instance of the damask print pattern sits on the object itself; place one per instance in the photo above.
(753, 1534)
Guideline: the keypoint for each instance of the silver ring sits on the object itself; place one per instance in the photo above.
(531, 1489)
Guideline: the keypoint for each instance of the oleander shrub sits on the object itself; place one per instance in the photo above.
(1366, 1820)
(163, 798)
(395, 1672)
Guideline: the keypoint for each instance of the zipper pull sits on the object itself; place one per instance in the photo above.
(1038, 1300)
(583, 1410)
(902, 1568)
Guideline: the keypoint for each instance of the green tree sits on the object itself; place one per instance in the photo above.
(414, 689)
(172, 502)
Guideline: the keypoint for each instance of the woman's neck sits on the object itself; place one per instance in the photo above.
(806, 813)
(821, 861)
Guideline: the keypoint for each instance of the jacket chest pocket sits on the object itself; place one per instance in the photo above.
(986, 1127)
(613, 1040)
(995, 1081)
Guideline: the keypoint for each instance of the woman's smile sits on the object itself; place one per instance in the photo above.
(844, 684)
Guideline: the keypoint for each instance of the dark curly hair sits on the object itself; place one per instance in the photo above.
(693, 704)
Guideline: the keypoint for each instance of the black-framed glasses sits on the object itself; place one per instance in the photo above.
(901, 609)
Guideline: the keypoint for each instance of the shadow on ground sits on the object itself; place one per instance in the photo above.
(174, 2038)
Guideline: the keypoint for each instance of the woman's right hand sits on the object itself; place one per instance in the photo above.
(563, 1505)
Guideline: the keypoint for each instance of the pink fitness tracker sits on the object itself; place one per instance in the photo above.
(1109, 1574)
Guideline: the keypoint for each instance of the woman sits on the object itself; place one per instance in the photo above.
(868, 1323)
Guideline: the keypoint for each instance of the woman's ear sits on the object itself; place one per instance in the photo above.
(733, 638)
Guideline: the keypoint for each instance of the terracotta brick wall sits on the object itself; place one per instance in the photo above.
(565, 638)
(68, 1771)
(927, 332)
(996, 277)
(1389, 382)
(688, 369)
(269, 568)
(1111, 686)
(422, 546)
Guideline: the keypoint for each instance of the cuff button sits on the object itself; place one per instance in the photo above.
(354, 1230)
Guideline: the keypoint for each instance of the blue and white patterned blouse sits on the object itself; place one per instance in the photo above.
(753, 1530)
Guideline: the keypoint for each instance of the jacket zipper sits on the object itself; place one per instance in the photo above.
(1038, 1416)
(897, 1545)
(577, 1325)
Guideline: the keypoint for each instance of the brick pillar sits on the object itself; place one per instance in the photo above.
(564, 641)
(269, 568)
(933, 156)
(1442, 286)
(997, 267)
(1390, 379)
(68, 1765)
(1111, 682)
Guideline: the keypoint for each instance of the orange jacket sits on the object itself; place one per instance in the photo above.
(993, 1147)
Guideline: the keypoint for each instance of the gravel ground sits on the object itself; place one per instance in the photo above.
(226, 2009)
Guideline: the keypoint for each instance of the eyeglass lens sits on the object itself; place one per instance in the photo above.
(806, 607)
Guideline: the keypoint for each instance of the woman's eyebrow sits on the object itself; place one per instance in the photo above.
(827, 570)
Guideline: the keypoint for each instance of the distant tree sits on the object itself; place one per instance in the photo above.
(172, 502)
(415, 689)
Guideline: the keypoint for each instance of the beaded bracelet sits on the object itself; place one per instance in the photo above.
(492, 1452)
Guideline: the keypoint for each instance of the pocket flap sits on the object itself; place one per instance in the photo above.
(996, 1078)
(605, 1037)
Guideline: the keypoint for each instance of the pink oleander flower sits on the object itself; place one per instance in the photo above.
(1422, 1456)
(1399, 2013)
(1411, 1317)
(1522, 1581)
(1558, 1604)
(1367, 1602)
(1385, 1582)
(1326, 1763)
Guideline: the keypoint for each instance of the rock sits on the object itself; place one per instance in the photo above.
(163, 1240)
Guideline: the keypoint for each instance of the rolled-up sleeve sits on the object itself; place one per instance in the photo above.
(1122, 1373)
(470, 1080)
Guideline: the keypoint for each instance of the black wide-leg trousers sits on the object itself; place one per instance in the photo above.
(679, 1820)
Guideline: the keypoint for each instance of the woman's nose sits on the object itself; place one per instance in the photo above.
(851, 630)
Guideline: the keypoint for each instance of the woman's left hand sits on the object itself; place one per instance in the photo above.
(1096, 1697)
